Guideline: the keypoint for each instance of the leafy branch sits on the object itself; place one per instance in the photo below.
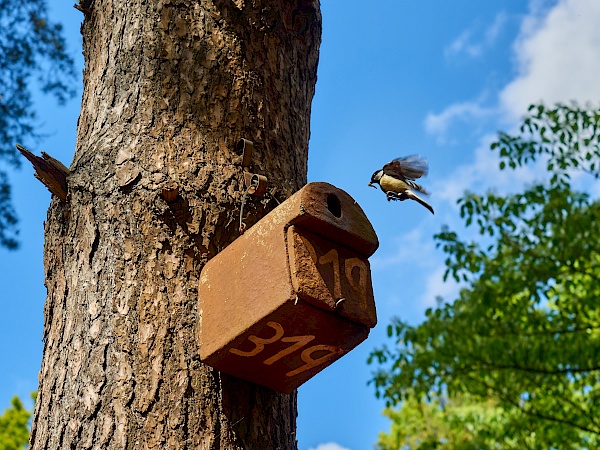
(524, 332)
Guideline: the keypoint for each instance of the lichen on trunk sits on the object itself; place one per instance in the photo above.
(169, 87)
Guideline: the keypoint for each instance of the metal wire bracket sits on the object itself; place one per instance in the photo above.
(255, 184)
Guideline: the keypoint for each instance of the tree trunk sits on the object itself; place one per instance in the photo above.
(169, 87)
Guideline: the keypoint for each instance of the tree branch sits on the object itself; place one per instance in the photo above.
(533, 413)
(49, 171)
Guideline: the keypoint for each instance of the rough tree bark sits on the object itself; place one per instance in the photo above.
(169, 87)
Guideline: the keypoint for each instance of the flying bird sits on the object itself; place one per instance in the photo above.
(397, 179)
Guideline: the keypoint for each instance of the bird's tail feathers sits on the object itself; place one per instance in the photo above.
(410, 194)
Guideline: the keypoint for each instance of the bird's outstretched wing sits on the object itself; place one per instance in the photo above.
(408, 167)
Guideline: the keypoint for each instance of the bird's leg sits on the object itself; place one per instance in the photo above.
(396, 196)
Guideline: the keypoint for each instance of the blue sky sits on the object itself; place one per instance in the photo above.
(395, 77)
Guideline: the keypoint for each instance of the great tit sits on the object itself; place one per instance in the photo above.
(397, 177)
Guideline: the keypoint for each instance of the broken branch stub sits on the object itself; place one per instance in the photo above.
(51, 172)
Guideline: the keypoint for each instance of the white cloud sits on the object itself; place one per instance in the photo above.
(415, 242)
(329, 446)
(464, 44)
(483, 173)
(557, 54)
(435, 287)
(465, 111)
(474, 41)
(492, 33)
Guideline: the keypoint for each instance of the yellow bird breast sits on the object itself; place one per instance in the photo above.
(388, 183)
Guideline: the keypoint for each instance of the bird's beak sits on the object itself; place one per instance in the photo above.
(371, 184)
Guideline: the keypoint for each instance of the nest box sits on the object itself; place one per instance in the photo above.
(293, 294)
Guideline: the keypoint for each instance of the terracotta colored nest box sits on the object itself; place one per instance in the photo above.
(293, 294)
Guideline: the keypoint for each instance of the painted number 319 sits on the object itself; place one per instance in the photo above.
(297, 343)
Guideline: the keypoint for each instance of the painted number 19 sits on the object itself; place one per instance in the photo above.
(350, 264)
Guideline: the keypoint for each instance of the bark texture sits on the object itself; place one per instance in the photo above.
(169, 87)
